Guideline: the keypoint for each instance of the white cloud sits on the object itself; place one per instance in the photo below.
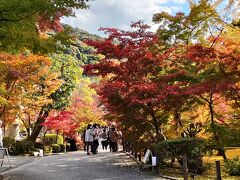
(120, 13)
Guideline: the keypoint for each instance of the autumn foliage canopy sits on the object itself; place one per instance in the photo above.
(145, 84)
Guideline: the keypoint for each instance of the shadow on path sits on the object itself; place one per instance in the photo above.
(79, 166)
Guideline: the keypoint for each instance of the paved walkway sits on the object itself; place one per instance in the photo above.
(77, 166)
(17, 161)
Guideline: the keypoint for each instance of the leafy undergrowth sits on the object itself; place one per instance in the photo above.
(210, 172)
(170, 171)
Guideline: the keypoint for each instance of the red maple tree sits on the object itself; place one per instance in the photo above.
(61, 121)
(142, 82)
(133, 94)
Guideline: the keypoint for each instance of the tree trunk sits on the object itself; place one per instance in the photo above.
(4, 126)
(210, 104)
(57, 137)
(29, 125)
(221, 152)
(28, 132)
(44, 140)
(38, 127)
(156, 123)
(215, 135)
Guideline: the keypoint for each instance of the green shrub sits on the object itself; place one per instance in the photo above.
(9, 142)
(24, 146)
(227, 137)
(55, 148)
(233, 166)
(194, 148)
(38, 145)
(51, 139)
(48, 149)
(62, 147)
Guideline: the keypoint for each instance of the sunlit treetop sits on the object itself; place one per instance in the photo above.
(205, 18)
(21, 21)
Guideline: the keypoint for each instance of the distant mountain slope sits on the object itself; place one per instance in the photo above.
(77, 48)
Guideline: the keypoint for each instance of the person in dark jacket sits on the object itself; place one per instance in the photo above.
(114, 138)
(95, 145)
(73, 146)
(83, 139)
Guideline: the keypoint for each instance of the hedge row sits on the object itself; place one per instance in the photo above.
(193, 148)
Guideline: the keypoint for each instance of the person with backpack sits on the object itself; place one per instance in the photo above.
(104, 140)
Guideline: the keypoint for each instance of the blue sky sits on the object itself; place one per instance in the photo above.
(120, 13)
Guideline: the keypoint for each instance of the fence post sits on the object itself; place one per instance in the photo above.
(156, 168)
(140, 156)
(123, 145)
(218, 170)
(185, 168)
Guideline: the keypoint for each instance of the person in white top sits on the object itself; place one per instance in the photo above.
(1, 135)
(89, 138)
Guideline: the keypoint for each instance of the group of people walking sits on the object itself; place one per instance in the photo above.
(94, 133)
